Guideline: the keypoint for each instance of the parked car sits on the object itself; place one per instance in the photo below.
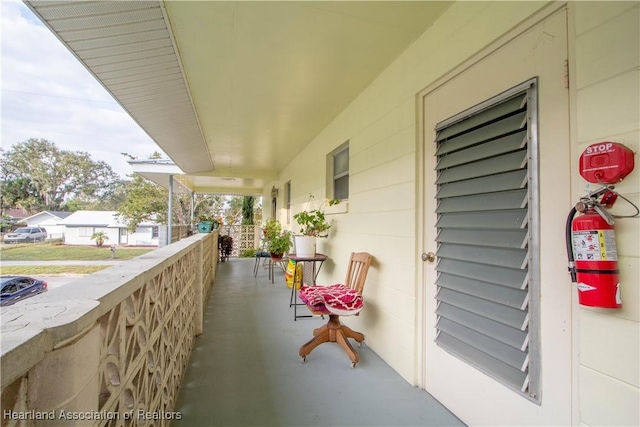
(26, 235)
(17, 288)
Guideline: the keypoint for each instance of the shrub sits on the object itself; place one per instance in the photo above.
(248, 253)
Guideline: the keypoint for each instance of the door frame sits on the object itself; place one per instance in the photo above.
(121, 240)
(423, 210)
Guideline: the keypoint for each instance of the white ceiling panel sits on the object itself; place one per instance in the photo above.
(232, 90)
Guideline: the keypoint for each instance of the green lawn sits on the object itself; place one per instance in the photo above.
(57, 252)
(50, 270)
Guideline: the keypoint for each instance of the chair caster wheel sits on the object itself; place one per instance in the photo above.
(304, 359)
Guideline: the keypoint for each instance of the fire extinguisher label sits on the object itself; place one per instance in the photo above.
(583, 287)
(595, 245)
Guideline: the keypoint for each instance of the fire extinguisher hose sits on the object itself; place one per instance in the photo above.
(568, 242)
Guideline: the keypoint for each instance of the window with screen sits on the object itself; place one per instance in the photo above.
(340, 172)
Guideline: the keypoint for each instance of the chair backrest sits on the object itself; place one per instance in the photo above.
(357, 271)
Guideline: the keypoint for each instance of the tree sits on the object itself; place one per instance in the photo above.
(112, 198)
(18, 193)
(99, 237)
(144, 202)
(209, 205)
(247, 210)
(141, 200)
(40, 176)
(233, 213)
(235, 210)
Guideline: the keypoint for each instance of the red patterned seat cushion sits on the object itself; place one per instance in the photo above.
(332, 299)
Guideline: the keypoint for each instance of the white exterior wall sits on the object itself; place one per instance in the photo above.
(50, 223)
(54, 231)
(381, 218)
(142, 237)
(607, 108)
(72, 236)
(381, 127)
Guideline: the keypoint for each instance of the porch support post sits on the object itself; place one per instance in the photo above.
(193, 197)
(170, 212)
(200, 293)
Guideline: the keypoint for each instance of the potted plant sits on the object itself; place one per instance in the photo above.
(271, 228)
(279, 244)
(206, 223)
(225, 247)
(313, 224)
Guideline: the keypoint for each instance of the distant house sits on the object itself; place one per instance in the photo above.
(16, 213)
(49, 220)
(81, 225)
(11, 217)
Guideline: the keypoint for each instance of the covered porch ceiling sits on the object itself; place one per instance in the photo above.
(232, 91)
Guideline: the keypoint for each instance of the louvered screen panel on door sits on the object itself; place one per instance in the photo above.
(484, 239)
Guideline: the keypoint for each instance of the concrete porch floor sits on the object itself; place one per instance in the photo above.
(245, 369)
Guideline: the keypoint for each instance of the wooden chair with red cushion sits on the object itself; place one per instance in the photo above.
(343, 299)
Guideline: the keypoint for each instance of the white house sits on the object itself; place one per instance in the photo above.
(80, 226)
(49, 220)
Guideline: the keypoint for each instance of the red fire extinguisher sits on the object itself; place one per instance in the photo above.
(590, 237)
(593, 261)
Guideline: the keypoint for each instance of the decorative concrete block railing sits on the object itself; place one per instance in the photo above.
(244, 237)
(109, 349)
(178, 232)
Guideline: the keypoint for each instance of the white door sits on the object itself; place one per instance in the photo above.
(123, 238)
(536, 54)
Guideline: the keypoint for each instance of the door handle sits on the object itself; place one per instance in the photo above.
(428, 256)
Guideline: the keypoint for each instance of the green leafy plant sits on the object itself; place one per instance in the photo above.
(248, 253)
(271, 228)
(100, 237)
(280, 244)
(204, 218)
(207, 217)
(225, 246)
(313, 222)
(277, 242)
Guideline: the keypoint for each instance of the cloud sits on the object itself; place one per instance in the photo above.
(47, 93)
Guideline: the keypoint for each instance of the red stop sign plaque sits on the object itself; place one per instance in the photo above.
(606, 162)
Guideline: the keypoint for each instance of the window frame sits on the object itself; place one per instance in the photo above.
(85, 231)
(287, 200)
(332, 176)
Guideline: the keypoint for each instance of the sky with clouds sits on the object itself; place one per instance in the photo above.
(48, 94)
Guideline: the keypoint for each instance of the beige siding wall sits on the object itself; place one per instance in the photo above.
(607, 108)
(381, 219)
(381, 127)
